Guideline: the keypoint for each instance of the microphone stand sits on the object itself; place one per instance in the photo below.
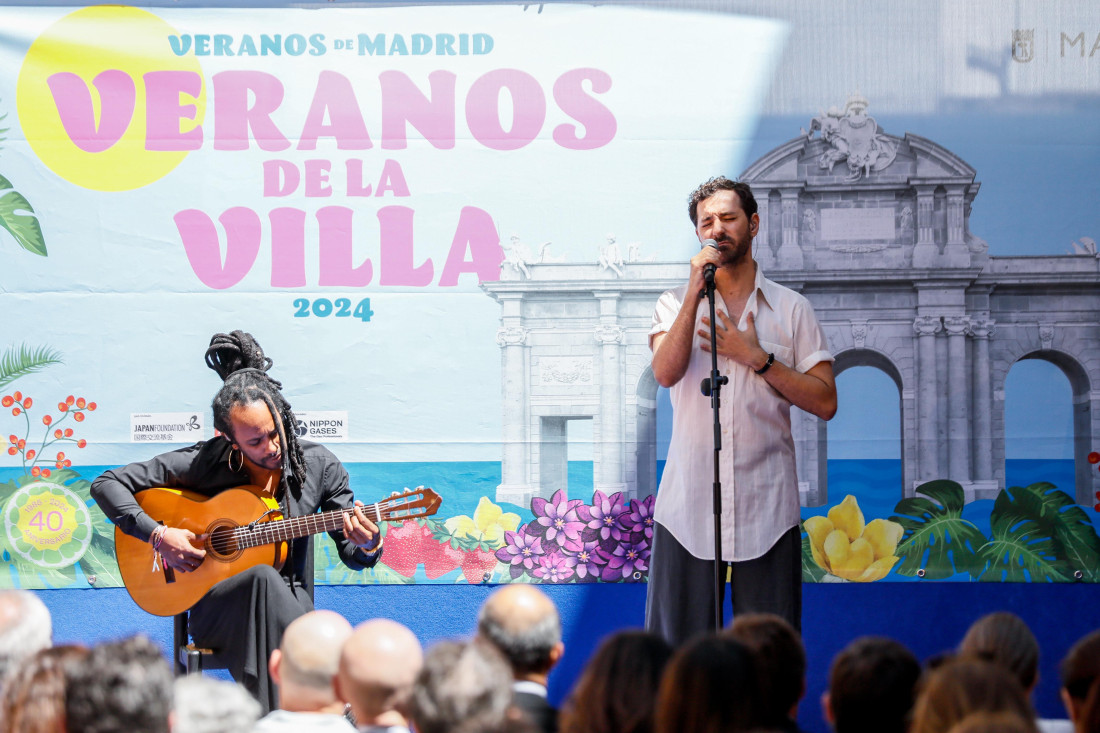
(712, 387)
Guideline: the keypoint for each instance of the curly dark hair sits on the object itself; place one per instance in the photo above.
(240, 362)
(713, 186)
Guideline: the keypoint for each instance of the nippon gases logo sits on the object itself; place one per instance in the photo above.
(322, 426)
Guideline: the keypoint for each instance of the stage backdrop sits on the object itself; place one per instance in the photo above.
(448, 227)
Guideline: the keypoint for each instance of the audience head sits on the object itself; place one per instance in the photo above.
(25, 627)
(963, 686)
(34, 696)
(709, 686)
(378, 666)
(871, 687)
(780, 662)
(208, 705)
(1005, 640)
(305, 664)
(984, 722)
(617, 692)
(465, 685)
(523, 624)
(1080, 669)
(121, 687)
(1089, 719)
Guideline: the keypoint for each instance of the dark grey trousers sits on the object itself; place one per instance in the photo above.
(680, 597)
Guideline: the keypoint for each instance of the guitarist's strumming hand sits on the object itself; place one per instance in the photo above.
(360, 531)
(179, 551)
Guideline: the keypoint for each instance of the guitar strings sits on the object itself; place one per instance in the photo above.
(230, 539)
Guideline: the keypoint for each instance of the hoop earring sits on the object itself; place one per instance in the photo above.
(229, 460)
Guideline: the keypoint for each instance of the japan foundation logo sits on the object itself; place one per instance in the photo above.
(1023, 45)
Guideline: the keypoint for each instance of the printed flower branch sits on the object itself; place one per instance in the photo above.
(74, 407)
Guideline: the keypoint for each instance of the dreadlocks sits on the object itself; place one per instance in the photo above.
(240, 362)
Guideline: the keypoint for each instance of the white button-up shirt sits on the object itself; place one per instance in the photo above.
(757, 467)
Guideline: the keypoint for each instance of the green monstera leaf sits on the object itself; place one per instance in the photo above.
(811, 571)
(23, 226)
(937, 539)
(1039, 534)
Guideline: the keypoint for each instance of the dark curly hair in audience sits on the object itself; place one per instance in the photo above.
(713, 186)
(617, 692)
(709, 687)
(240, 362)
(780, 662)
(121, 687)
(34, 693)
(872, 685)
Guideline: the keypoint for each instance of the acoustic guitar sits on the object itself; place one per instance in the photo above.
(239, 529)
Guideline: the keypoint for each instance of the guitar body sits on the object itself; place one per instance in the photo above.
(166, 592)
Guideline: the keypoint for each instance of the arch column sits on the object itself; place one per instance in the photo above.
(926, 328)
(515, 486)
(609, 473)
(958, 399)
(982, 329)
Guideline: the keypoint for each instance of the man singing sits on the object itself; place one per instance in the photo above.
(774, 353)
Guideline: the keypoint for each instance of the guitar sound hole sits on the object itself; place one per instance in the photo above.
(221, 541)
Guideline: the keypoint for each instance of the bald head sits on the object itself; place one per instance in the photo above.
(307, 659)
(523, 623)
(25, 627)
(378, 665)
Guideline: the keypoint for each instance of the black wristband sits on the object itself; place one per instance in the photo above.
(767, 364)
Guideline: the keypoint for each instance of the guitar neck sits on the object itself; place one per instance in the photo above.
(283, 530)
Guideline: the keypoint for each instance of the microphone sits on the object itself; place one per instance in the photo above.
(708, 271)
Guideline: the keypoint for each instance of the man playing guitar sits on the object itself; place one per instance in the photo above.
(243, 616)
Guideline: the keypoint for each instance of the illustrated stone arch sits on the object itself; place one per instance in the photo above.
(874, 230)
(645, 463)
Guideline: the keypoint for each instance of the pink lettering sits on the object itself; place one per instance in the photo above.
(483, 109)
(599, 122)
(317, 178)
(336, 268)
(477, 233)
(281, 178)
(392, 179)
(235, 121)
(335, 98)
(163, 111)
(73, 100)
(404, 104)
(203, 246)
(397, 249)
(288, 248)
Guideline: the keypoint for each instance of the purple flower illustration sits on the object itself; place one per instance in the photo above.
(560, 519)
(606, 514)
(625, 560)
(590, 560)
(639, 519)
(555, 567)
(521, 551)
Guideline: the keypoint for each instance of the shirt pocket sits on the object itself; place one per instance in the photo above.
(784, 354)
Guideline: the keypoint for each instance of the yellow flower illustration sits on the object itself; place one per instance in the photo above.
(488, 524)
(846, 547)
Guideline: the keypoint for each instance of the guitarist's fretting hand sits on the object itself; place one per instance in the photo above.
(360, 531)
(179, 551)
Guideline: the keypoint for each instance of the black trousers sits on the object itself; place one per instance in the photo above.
(680, 597)
(243, 618)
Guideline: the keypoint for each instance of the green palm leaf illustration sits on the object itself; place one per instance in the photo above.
(18, 217)
(1039, 534)
(21, 361)
(936, 537)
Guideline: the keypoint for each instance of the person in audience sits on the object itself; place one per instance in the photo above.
(304, 668)
(1005, 639)
(709, 686)
(379, 663)
(963, 686)
(984, 722)
(34, 696)
(207, 705)
(1080, 671)
(522, 622)
(871, 687)
(463, 686)
(617, 691)
(25, 628)
(120, 687)
(780, 661)
(1089, 719)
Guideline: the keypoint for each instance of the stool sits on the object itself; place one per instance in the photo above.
(190, 659)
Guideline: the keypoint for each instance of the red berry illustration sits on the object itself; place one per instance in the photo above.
(46, 419)
(91, 407)
(80, 403)
(62, 407)
(22, 444)
(7, 401)
(15, 411)
(27, 403)
(12, 451)
(69, 400)
(46, 472)
(81, 443)
(68, 432)
(30, 455)
(1094, 457)
(60, 455)
(78, 416)
(57, 433)
(18, 396)
(13, 439)
(68, 463)
(36, 472)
